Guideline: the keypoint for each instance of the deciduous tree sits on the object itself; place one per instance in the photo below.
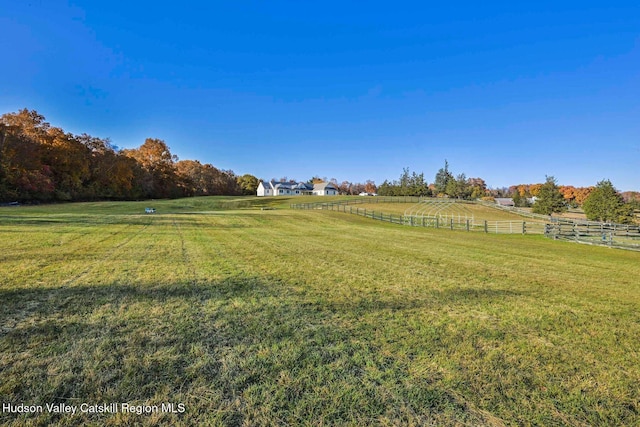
(156, 160)
(370, 186)
(248, 184)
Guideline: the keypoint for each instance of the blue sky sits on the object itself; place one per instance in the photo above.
(504, 91)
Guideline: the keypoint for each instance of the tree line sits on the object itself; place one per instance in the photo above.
(601, 202)
(445, 185)
(40, 162)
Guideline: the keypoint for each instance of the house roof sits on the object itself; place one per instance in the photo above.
(504, 201)
(290, 185)
(324, 186)
(304, 186)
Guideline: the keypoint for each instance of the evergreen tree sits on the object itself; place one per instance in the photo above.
(419, 186)
(607, 205)
(517, 199)
(385, 189)
(443, 177)
(459, 187)
(549, 199)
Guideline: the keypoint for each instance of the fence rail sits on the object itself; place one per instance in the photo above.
(577, 230)
(624, 236)
(453, 222)
(514, 210)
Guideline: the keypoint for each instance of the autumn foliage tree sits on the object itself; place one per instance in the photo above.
(45, 163)
(157, 176)
(370, 187)
(23, 175)
(478, 188)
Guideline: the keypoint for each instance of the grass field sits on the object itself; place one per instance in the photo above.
(291, 317)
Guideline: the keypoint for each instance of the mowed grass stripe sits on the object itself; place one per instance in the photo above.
(316, 326)
(321, 249)
(61, 263)
(295, 317)
(501, 275)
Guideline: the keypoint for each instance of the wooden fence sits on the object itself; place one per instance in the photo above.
(500, 227)
(612, 235)
(624, 236)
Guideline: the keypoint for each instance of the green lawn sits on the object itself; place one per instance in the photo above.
(289, 317)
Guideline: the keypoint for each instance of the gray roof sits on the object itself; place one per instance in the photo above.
(303, 186)
(290, 185)
(504, 201)
(324, 186)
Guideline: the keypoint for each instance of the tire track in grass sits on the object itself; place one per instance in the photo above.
(340, 251)
(321, 244)
(220, 259)
(190, 268)
(337, 244)
(272, 240)
(21, 310)
(41, 262)
(111, 252)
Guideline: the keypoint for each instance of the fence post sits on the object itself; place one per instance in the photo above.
(437, 223)
(467, 225)
(486, 230)
(452, 223)
(524, 227)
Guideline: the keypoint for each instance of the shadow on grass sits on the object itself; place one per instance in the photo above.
(244, 349)
(435, 299)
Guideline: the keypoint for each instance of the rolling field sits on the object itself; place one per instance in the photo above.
(292, 317)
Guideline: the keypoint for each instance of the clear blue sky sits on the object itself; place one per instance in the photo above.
(506, 91)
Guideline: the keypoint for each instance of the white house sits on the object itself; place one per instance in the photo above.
(273, 188)
(325, 189)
